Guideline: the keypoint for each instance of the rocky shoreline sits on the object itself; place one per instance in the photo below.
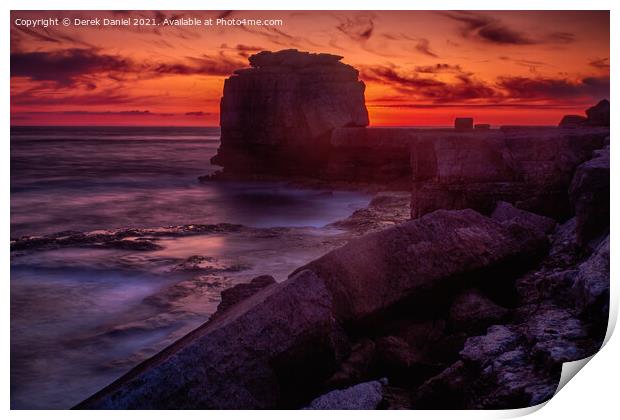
(455, 310)
(468, 293)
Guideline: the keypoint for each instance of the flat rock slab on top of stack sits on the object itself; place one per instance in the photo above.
(278, 115)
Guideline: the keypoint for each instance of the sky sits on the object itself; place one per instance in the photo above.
(421, 68)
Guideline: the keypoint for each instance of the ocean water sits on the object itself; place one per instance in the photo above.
(103, 177)
(81, 317)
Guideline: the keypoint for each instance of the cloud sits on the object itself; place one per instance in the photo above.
(64, 67)
(482, 27)
(133, 112)
(423, 84)
(47, 35)
(359, 29)
(561, 38)
(554, 89)
(439, 68)
(274, 35)
(532, 65)
(423, 46)
(242, 50)
(600, 63)
(402, 102)
(44, 95)
(462, 88)
(220, 65)
(70, 67)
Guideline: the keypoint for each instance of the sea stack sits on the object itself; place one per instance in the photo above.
(278, 115)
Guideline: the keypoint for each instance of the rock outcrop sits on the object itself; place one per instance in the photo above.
(456, 309)
(518, 364)
(597, 116)
(529, 168)
(278, 115)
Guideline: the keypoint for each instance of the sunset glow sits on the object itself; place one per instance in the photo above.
(420, 68)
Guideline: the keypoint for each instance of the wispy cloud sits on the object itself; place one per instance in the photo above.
(485, 28)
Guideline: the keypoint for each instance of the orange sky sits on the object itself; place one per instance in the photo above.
(420, 68)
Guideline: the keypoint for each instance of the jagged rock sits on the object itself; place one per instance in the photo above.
(132, 238)
(498, 339)
(384, 210)
(591, 287)
(207, 264)
(589, 193)
(278, 115)
(472, 311)
(364, 396)
(506, 212)
(420, 259)
(514, 382)
(268, 351)
(501, 377)
(558, 336)
(130, 244)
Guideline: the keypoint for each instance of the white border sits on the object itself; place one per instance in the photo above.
(593, 394)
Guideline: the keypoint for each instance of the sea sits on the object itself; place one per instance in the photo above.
(81, 317)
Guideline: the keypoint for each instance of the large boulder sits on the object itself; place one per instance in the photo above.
(422, 259)
(591, 287)
(589, 194)
(265, 352)
(277, 116)
(364, 396)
